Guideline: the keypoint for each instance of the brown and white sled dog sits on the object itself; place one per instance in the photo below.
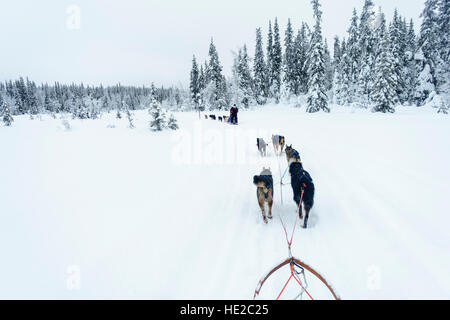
(278, 143)
(264, 193)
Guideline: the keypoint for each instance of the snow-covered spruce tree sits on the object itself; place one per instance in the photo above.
(269, 64)
(301, 51)
(79, 108)
(159, 121)
(21, 96)
(5, 113)
(218, 80)
(366, 59)
(194, 85)
(336, 59)
(328, 67)
(428, 51)
(290, 60)
(442, 72)
(32, 99)
(353, 53)
(383, 91)
(340, 79)
(317, 97)
(277, 63)
(410, 64)
(397, 35)
(172, 123)
(243, 76)
(259, 71)
(425, 81)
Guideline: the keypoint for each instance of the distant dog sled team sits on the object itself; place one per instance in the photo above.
(232, 118)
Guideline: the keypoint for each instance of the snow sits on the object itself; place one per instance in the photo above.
(173, 215)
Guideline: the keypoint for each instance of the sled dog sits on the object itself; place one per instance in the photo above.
(262, 146)
(292, 155)
(264, 193)
(278, 142)
(301, 181)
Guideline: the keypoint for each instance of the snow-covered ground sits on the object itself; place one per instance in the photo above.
(100, 212)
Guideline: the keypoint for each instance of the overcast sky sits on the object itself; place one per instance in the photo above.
(136, 42)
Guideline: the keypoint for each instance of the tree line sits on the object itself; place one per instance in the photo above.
(377, 65)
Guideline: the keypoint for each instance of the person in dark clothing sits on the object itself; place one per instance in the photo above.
(234, 115)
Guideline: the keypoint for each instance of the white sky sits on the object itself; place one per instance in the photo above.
(135, 42)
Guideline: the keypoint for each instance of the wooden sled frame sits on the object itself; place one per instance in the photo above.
(289, 261)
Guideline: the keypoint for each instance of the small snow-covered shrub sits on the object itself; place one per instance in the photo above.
(66, 125)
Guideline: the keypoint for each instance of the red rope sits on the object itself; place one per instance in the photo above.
(289, 244)
(284, 287)
(298, 281)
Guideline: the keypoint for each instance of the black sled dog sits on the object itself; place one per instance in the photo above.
(264, 193)
(301, 181)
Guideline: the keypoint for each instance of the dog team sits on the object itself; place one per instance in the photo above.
(301, 182)
(232, 119)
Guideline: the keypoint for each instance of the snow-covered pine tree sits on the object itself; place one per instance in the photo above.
(172, 123)
(336, 55)
(5, 113)
(317, 97)
(429, 40)
(398, 49)
(216, 77)
(158, 121)
(289, 60)
(353, 57)
(410, 64)
(301, 51)
(269, 64)
(277, 63)
(442, 72)
(194, 84)
(428, 51)
(245, 81)
(32, 99)
(328, 67)
(366, 26)
(259, 71)
(341, 75)
(425, 81)
(20, 97)
(383, 90)
(367, 48)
